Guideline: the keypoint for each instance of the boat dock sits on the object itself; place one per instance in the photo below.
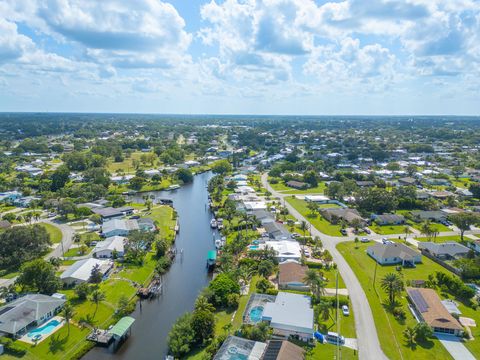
(101, 337)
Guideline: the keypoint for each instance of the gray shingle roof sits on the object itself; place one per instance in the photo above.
(450, 248)
(401, 251)
(21, 312)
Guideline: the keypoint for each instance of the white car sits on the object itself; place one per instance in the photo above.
(345, 310)
(364, 240)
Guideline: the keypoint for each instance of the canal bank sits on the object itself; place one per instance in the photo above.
(181, 285)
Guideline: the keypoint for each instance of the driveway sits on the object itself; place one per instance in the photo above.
(367, 338)
(455, 347)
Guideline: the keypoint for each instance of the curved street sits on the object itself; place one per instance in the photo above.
(367, 337)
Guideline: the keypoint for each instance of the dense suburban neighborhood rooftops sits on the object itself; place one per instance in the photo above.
(428, 304)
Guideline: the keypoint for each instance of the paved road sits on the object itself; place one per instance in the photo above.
(367, 338)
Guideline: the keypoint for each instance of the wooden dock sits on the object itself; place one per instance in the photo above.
(101, 337)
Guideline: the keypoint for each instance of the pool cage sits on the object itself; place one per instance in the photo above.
(234, 348)
(256, 302)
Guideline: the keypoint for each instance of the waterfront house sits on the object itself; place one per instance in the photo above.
(430, 309)
(121, 227)
(107, 213)
(244, 349)
(81, 271)
(26, 312)
(107, 248)
(394, 253)
(285, 250)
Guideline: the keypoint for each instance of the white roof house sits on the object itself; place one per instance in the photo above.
(285, 249)
(119, 227)
(107, 247)
(81, 270)
(290, 314)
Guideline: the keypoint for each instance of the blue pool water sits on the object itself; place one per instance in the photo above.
(45, 329)
(253, 247)
(256, 314)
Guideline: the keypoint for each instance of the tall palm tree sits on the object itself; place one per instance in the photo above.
(407, 231)
(426, 228)
(392, 284)
(97, 296)
(314, 280)
(68, 314)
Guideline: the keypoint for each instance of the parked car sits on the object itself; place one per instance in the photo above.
(135, 217)
(367, 231)
(364, 240)
(343, 232)
(306, 253)
(345, 310)
(295, 235)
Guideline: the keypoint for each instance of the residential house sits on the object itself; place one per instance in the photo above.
(27, 312)
(81, 270)
(349, 215)
(442, 194)
(121, 227)
(388, 219)
(276, 231)
(297, 184)
(108, 213)
(366, 183)
(407, 181)
(285, 250)
(109, 247)
(291, 275)
(283, 350)
(394, 253)
(244, 349)
(433, 215)
(447, 250)
(290, 315)
(429, 308)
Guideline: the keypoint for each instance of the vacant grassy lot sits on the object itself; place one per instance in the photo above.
(441, 239)
(54, 232)
(390, 329)
(316, 220)
(388, 229)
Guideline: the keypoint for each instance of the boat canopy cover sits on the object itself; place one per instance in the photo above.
(212, 255)
(122, 326)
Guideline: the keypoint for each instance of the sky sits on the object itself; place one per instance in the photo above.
(369, 57)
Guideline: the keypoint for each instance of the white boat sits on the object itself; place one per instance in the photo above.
(173, 187)
(213, 224)
(218, 243)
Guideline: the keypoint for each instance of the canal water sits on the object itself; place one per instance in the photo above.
(181, 285)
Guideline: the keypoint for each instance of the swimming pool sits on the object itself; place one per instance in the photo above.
(256, 314)
(45, 329)
(253, 247)
(233, 354)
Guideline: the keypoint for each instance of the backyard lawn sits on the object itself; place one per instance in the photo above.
(388, 327)
(435, 226)
(316, 220)
(54, 232)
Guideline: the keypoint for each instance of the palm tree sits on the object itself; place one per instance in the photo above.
(409, 333)
(392, 284)
(426, 228)
(324, 309)
(68, 314)
(314, 280)
(97, 296)
(202, 304)
(304, 228)
(407, 231)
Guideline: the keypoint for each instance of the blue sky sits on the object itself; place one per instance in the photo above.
(241, 56)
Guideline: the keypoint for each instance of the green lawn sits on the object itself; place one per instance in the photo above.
(328, 351)
(389, 329)
(164, 218)
(435, 226)
(316, 220)
(54, 232)
(441, 239)
(388, 229)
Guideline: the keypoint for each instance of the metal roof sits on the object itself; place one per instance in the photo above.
(122, 326)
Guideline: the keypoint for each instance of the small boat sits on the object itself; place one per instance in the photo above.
(218, 243)
(220, 224)
(213, 224)
(177, 228)
(211, 259)
(173, 187)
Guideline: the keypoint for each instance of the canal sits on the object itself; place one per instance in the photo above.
(181, 285)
